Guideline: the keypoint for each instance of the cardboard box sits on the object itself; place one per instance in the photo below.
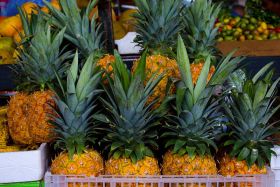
(251, 47)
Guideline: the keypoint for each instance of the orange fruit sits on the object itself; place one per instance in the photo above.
(30, 7)
(54, 3)
(17, 38)
(10, 25)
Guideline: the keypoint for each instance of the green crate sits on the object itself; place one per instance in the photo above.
(24, 184)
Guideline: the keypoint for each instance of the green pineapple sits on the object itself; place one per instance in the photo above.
(200, 35)
(80, 31)
(41, 60)
(199, 30)
(158, 23)
(249, 110)
(73, 122)
(191, 129)
(132, 133)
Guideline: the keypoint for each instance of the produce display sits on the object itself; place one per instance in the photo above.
(161, 117)
(246, 28)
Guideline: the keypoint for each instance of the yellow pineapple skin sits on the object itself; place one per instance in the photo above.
(196, 69)
(4, 132)
(28, 117)
(17, 119)
(125, 167)
(11, 148)
(231, 167)
(173, 164)
(157, 64)
(38, 111)
(106, 63)
(89, 163)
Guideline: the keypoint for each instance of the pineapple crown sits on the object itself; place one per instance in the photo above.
(249, 110)
(192, 130)
(199, 31)
(41, 59)
(29, 24)
(158, 23)
(82, 32)
(73, 118)
(132, 121)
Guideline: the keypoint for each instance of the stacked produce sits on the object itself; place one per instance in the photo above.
(246, 28)
(107, 119)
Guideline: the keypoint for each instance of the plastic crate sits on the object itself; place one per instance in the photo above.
(161, 181)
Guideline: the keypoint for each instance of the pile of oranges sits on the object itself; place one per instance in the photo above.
(246, 28)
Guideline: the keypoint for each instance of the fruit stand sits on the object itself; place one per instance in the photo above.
(172, 106)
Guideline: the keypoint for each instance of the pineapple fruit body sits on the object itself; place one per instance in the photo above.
(28, 118)
(174, 164)
(158, 64)
(106, 63)
(89, 163)
(196, 69)
(125, 167)
(231, 167)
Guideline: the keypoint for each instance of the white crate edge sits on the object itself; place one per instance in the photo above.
(126, 45)
(275, 160)
(23, 166)
(267, 180)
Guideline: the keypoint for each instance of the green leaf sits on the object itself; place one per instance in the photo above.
(117, 154)
(141, 67)
(191, 151)
(202, 80)
(261, 72)
(184, 65)
(243, 154)
(115, 146)
(253, 156)
(178, 145)
(182, 152)
(260, 92)
(229, 142)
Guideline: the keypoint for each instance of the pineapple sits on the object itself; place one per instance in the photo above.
(249, 110)
(73, 123)
(190, 131)
(89, 39)
(41, 60)
(131, 121)
(4, 133)
(157, 25)
(200, 35)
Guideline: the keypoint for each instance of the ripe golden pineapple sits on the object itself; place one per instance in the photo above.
(249, 112)
(131, 123)
(17, 119)
(200, 34)
(157, 29)
(88, 163)
(175, 164)
(40, 105)
(4, 132)
(106, 63)
(124, 167)
(11, 148)
(72, 123)
(27, 113)
(187, 133)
